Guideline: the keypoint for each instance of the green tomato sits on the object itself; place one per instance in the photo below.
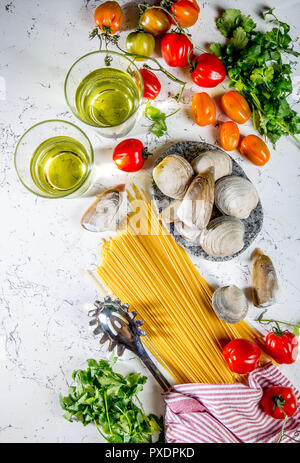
(141, 43)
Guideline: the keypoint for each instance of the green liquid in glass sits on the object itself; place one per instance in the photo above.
(106, 97)
(59, 166)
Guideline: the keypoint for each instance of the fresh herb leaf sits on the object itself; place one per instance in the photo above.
(109, 400)
(229, 21)
(153, 114)
(232, 19)
(297, 330)
(239, 38)
(254, 64)
(216, 49)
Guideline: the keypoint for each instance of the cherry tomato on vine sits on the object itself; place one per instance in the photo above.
(229, 135)
(279, 402)
(255, 149)
(140, 43)
(109, 17)
(155, 21)
(176, 49)
(241, 355)
(129, 155)
(204, 109)
(235, 106)
(185, 11)
(208, 71)
(282, 346)
(152, 85)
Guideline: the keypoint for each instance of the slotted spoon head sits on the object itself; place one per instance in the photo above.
(117, 325)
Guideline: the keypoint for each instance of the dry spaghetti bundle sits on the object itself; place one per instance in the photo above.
(151, 272)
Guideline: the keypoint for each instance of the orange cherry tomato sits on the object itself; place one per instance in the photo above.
(229, 135)
(204, 109)
(155, 21)
(255, 149)
(235, 107)
(109, 17)
(186, 12)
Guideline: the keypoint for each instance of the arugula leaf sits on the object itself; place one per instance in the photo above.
(107, 399)
(254, 64)
(159, 118)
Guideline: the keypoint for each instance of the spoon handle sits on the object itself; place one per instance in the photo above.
(142, 354)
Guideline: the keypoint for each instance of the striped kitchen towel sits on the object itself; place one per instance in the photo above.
(227, 413)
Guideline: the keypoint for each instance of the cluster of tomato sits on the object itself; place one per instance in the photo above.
(235, 106)
(242, 356)
(207, 70)
(176, 48)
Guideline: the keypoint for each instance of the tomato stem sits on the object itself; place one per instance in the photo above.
(178, 25)
(265, 321)
(282, 429)
(292, 438)
(114, 40)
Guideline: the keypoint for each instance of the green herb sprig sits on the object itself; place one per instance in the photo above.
(159, 118)
(265, 321)
(107, 399)
(254, 63)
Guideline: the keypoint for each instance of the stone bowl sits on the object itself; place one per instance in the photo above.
(253, 224)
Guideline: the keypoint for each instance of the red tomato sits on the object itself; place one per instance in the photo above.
(241, 355)
(109, 17)
(185, 11)
(235, 106)
(229, 135)
(282, 346)
(204, 109)
(208, 71)
(176, 49)
(129, 155)
(255, 149)
(279, 402)
(152, 85)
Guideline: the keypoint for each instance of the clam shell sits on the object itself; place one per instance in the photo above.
(190, 234)
(230, 304)
(235, 196)
(196, 207)
(224, 236)
(218, 159)
(102, 214)
(173, 176)
(264, 280)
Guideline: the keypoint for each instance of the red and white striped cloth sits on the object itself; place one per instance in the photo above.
(227, 413)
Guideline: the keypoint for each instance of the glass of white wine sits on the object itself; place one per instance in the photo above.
(105, 89)
(54, 159)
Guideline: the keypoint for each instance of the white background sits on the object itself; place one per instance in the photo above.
(44, 332)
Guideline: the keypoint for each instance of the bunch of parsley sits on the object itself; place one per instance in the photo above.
(254, 64)
(105, 398)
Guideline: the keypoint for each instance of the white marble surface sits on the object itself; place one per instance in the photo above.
(44, 332)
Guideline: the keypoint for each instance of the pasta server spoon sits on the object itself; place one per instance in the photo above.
(118, 326)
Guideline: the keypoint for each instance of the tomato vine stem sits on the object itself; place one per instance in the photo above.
(179, 28)
(114, 39)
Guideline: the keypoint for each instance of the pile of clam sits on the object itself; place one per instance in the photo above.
(196, 188)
